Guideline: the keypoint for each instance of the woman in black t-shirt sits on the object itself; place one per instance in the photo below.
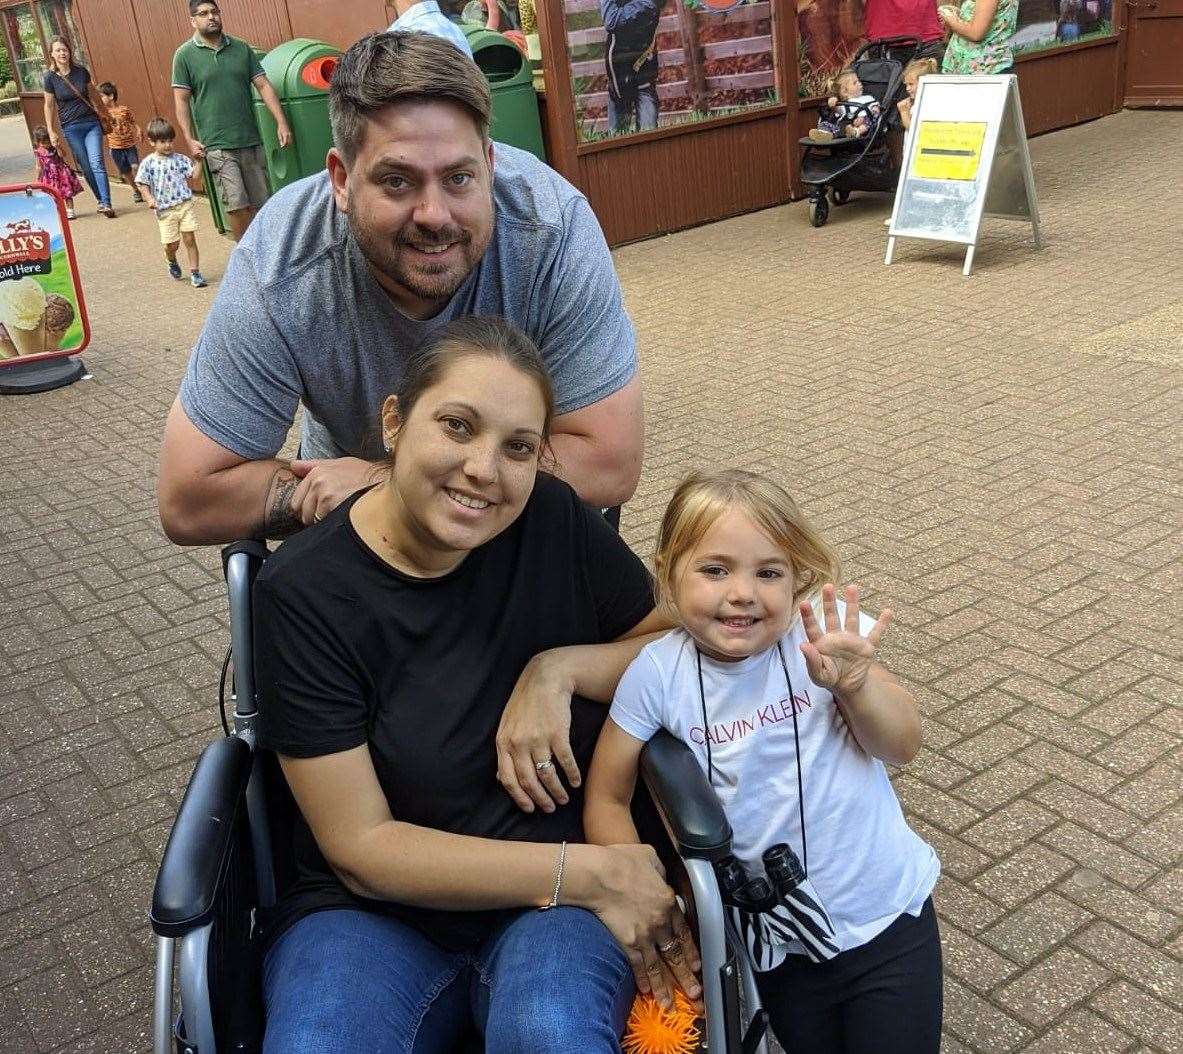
(424, 665)
(70, 99)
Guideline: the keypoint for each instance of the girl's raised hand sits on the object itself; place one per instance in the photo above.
(837, 656)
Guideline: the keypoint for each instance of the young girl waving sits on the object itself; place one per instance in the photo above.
(792, 719)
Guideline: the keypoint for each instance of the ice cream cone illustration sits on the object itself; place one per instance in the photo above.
(7, 348)
(22, 310)
(59, 315)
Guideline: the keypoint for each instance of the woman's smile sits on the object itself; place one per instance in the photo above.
(466, 500)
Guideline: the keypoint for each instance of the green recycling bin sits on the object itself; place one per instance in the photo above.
(515, 103)
(299, 71)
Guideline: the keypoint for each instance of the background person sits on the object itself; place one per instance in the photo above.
(425, 16)
(905, 18)
(791, 717)
(70, 101)
(913, 71)
(164, 177)
(52, 169)
(212, 77)
(123, 138)
(419, 219)
(433, 817)
(630, 60)
(980, 38)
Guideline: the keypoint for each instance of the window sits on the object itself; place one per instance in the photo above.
(30, 27)
(643, 64)
(27, 50)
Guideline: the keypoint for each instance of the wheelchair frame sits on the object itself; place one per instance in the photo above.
(218, 867)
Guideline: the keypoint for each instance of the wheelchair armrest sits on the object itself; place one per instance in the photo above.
(685, 799)
(198, 850)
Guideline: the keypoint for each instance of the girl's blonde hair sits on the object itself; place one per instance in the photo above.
(702, 498)
(920, 67)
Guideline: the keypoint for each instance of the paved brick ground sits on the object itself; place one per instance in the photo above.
(998, 458)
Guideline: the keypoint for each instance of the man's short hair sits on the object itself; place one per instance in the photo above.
(159, 130)
(195, 4)
(385, 68)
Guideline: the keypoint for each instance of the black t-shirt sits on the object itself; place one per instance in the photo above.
(351, 651)
(71, 109)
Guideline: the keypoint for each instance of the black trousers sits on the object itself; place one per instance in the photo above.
(882, 998)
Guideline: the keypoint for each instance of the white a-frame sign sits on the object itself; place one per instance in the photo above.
(965, 156)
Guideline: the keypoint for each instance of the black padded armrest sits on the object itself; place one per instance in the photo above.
(198, 850)
(687, 803)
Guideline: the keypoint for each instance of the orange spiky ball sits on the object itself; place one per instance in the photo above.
(652, 1030)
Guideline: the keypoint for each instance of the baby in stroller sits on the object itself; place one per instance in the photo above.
(849, 113)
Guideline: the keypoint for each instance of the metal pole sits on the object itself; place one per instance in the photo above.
(162, 1013)
(712, 945)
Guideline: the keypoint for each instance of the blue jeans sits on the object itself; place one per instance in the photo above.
(86, 144)
(343, 981)
(642, 104)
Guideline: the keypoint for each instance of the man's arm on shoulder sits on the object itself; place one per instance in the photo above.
(208, 494)
(598, 448)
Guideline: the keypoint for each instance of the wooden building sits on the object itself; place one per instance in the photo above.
(732, 85)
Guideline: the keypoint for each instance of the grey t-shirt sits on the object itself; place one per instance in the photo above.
(300, 317)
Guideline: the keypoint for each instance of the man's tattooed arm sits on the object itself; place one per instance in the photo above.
(278, 519)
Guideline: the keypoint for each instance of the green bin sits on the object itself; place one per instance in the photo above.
(299, 71)
(515, 102)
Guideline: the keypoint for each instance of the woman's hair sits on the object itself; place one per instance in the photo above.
(702, 498)
(41, 136)
(109, 89)
(921, 67)
(463, 338)
(385, 68)
(159, 130)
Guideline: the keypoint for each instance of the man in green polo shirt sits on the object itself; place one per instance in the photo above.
(212, 78)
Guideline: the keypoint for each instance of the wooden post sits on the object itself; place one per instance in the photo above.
(559, 111)
(692, 57)
(788, 73)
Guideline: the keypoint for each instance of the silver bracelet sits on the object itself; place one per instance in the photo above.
(554, 897)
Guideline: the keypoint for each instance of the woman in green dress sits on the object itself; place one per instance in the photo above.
(980, 36)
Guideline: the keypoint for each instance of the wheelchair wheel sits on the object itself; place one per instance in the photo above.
(819, 211)
(841, 197)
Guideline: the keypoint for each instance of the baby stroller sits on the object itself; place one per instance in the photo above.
(865, 162)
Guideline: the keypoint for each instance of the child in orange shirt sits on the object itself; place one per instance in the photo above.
(123, 138)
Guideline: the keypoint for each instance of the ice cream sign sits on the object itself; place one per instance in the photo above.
(24, 250)
(41, 307)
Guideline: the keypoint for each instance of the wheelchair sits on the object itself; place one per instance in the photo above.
(221, 863)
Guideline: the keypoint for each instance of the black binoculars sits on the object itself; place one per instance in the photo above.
(760, 894)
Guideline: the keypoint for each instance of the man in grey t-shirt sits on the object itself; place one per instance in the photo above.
(419, 219)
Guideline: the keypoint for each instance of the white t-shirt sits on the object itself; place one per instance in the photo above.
(866, 864)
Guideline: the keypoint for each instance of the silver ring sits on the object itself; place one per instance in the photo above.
(670, 945)
(544, 766)
(317, 517)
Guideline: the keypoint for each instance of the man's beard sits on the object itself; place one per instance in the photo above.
(424, 281)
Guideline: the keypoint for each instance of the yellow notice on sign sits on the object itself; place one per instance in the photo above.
(948, 149)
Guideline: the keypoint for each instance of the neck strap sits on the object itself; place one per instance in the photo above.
(706, 735)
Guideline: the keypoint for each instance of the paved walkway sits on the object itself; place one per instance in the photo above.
(998, 458)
